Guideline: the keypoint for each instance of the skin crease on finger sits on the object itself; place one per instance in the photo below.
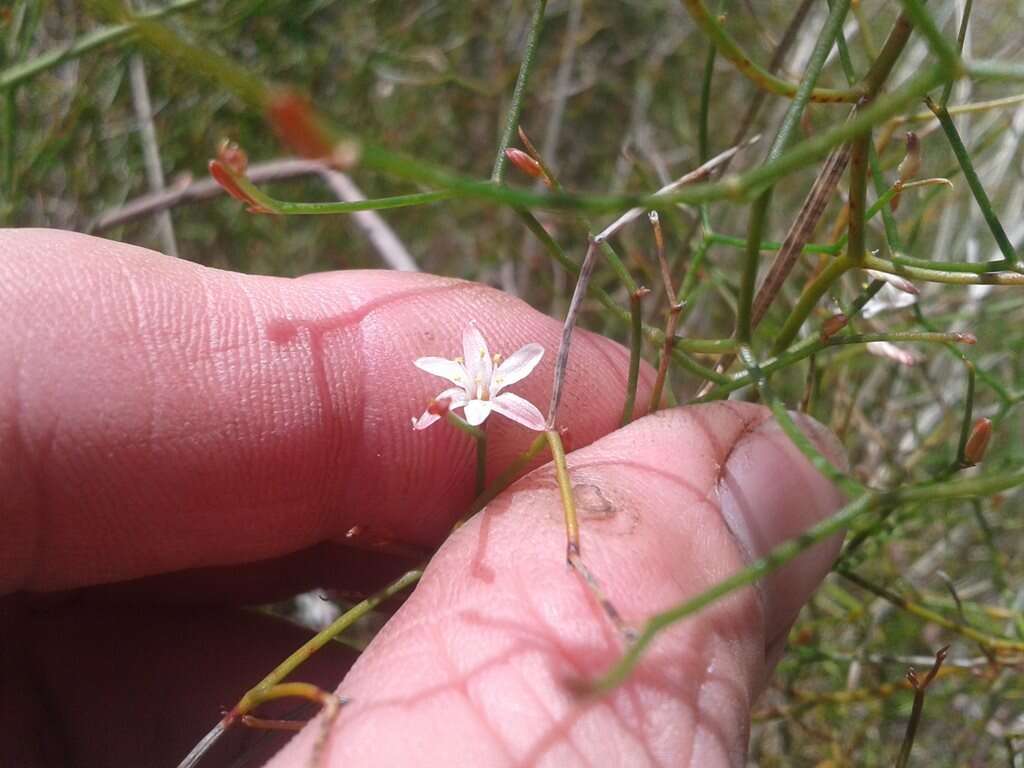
(157, 416)
(473, 670)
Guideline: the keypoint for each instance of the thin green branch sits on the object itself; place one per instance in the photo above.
(960, 38)
(757, 74)
(519, 91)
(1010, 260)
(947, 55)
(636, 323)
(374, 157)
(984, 485)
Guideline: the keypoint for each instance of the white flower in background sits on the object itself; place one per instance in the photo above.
(479, 380)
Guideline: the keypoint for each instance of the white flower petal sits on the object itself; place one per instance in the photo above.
(518, 409)
(455, 396)
(517, 367)
(477, 357)
(425, 420)
(477, 411)
(446, 369)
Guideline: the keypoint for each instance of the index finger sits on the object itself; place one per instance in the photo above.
(156, 415)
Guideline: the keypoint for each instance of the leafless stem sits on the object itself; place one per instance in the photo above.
(187, 190)
(697, 174)
(150, 148)
(586, 271)
(675, 309)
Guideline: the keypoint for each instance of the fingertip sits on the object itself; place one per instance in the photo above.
(769, 493)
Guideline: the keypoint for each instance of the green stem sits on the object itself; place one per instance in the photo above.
(751, 260)
(318, 641)
(287, 208)
(481, 463)
(964, 159)
(815, 344)
(572, 526)
(756, 570)
(464, 426)
(703, 121)
(947, 55)
(757, 74)
(950, 277)
(374, 157)
(984, 485)
(519, 91)
(990, 642)
(968, 420)
(635, 347)
(960, 38)
(809, 298)
(510, 473)
(849, 486)
(858, 196)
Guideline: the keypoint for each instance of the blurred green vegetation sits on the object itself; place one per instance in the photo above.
(614, 103)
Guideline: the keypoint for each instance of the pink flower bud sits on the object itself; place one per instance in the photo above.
(524, 163)
(977, 443)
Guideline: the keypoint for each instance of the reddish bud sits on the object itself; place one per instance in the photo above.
(963, 337)
(911, 163)
(233, 157)
(439, 407)
(229, 182)
(977, 443)
(908, 167)
(293, 120)
(524, 163)
(833, 325)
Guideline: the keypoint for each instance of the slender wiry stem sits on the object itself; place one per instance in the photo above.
(586, 271)
(730, 49)
(981, 486)
(919, 686)
(960, 39)
(1010, 260)
(272, 681)
(519, 91)
(636, 340)
(996, 644)
(573, 552)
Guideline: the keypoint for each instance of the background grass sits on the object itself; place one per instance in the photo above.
(614, 103)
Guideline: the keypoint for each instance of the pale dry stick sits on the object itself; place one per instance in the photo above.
(150, 148)
(391, 250)
(586, 271)
(697, 174)
(186, 190)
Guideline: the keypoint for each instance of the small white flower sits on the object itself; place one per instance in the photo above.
(479, 380)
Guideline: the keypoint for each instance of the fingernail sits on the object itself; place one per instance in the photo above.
(770, 493)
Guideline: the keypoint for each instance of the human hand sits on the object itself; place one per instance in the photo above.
(176, 441)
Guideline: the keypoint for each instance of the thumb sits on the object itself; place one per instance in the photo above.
(473, 669)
